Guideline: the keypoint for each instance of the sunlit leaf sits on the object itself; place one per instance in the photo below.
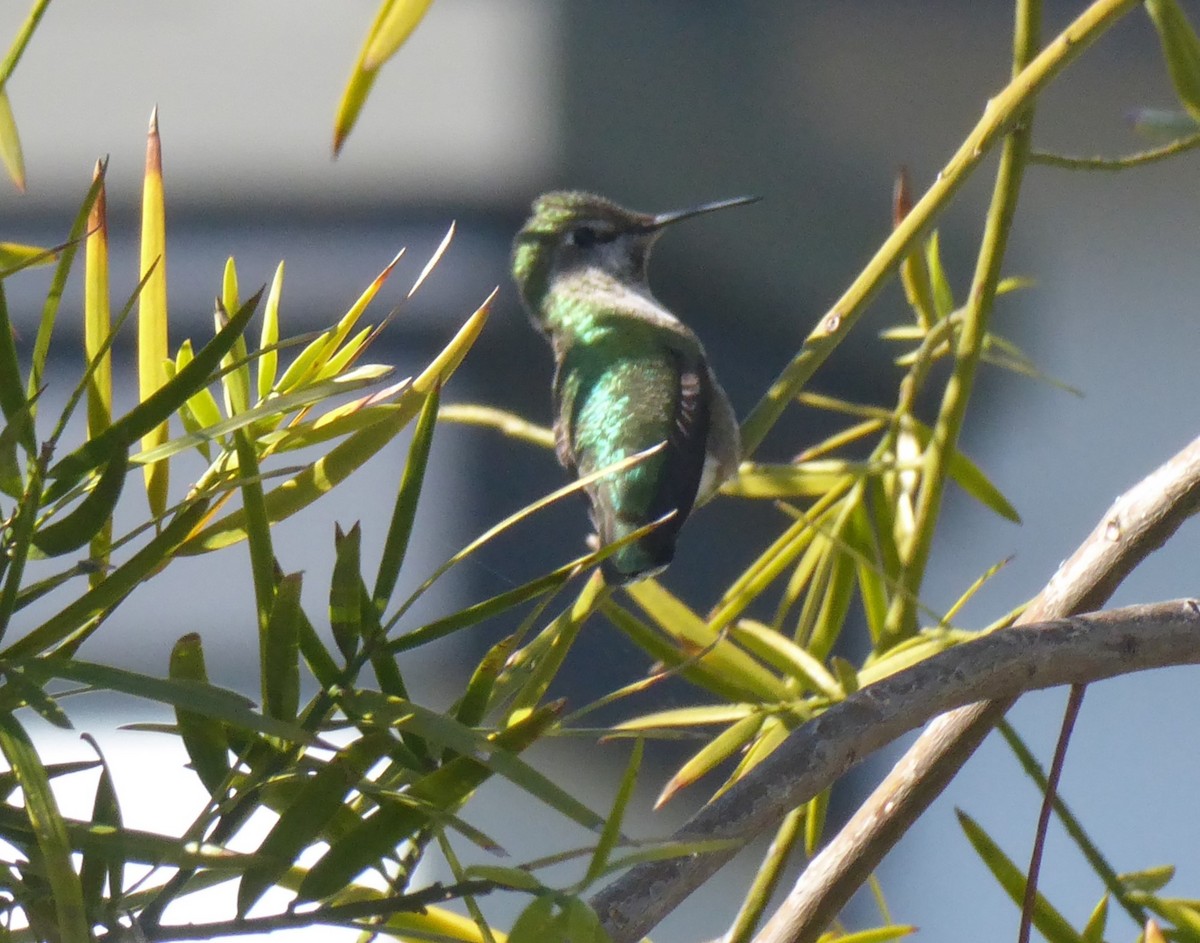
(10, 143)
(152, 312)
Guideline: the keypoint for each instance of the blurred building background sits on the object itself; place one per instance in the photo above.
(812, 105)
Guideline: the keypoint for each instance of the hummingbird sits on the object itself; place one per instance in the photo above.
(628, 376)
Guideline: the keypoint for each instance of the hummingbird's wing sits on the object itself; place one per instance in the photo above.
(616, 406)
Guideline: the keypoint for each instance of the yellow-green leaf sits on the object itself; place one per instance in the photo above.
(203, 737)
(10, 143)
(152, 311)
(1181, 51)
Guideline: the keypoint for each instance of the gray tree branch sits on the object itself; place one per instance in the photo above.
(1138, 523)
(996, 668)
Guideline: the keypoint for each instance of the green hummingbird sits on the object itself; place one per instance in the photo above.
(628, 376)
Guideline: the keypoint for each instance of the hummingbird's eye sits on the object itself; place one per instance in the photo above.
(583, 237)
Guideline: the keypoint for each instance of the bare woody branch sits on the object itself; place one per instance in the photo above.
(1000, 665)
(1059, 652)
(1138, 523)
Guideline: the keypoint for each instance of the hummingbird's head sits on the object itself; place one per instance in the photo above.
(570, 231)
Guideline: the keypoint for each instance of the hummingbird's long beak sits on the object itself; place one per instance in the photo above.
(674, 216)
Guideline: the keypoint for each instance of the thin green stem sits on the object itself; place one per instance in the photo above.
(1112, 164)
(902, 621)
(1000, 116)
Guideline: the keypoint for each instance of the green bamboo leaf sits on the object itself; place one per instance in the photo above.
(259, 542)
(10, 143)
(323, 474)
(345, 590)
(536, 923)
(16, 407)
(706, 715)
(809, 480)
(24, 34)
(235, 365)
(970, 477)
(758, 897)
(448, 733)
(96, 866)
(281, 663)
(1093, 930)
(943, 294)
(15, 256)
(21, 689)
(202, 405)
(268, 356)
(392, 24)
(1149, 880)
(611, 834)
(306, 816)
(477, 697)
(814, 821)
(580, 923)
(664, 851)
(340, 421)
(873, 577)
(1184, 914)
(18, 543)
(775, 559)
(446, 788)
(152, 348)
(535, 667)
(697, 671)
(1180, 49)
(517, 879)
(41, 344)
(85, 521)
(772, 733)
(49, 829)
(325, 366)
(729, 742)
(1049, 922)
(274, 408)
(203, 738)
(397, 21)
(908, 653)
(785, 655)
(404, 510)
(835, 604)
(150, 412)
(301, 368)
(842, 439)
(204, 699)
(694, 634)
(131, 845)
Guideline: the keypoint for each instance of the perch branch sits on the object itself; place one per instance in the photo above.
(1138, 523)
(1000, 665)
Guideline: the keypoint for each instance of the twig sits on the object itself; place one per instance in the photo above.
(1001, 664)
(1129, 161)
(1070, 715)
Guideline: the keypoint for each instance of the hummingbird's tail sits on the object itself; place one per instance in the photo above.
(645, 557)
